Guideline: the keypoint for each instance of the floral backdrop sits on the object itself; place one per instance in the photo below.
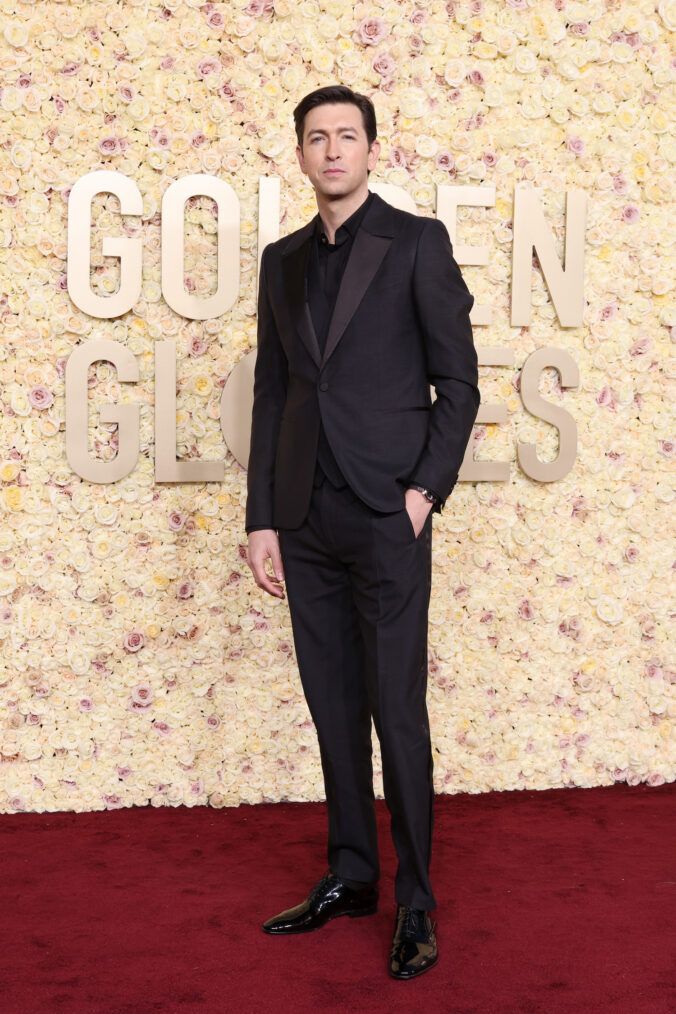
(139, 661)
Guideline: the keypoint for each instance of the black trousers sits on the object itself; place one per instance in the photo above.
(358, 586)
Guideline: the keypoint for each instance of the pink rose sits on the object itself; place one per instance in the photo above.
(127, 93)
(383, 64)
(86, 704)
(257, 7)
(176, 520)
(630, 213)
(579, 28)
(606, 397)
(162, 728)
(142, 695)
(397, 158)
(110, 145)
(371, 31)
(576, 145)
(40, 397)
(197, 346)
(667, 447)
(444, 159)
(475, 77)
(525, 610)
(641, 346)
(209, 65)
(134, 641)
(571, 628)
(160, 137)
(185, 590)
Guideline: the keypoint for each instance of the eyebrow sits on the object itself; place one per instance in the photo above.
(318, 130)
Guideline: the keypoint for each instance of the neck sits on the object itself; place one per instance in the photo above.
(334, 212)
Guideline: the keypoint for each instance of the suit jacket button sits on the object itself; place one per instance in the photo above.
(323, 386)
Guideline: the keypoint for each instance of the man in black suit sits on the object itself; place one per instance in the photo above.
(358, 313)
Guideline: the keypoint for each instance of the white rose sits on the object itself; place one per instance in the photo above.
(525, 60)
(609, 610)
(272, 145)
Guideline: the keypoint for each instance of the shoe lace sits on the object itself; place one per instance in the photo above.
(322, 882)
(413, 921)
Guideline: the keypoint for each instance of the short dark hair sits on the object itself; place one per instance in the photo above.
(332, 94)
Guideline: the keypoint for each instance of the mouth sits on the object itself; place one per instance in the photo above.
(333, 172)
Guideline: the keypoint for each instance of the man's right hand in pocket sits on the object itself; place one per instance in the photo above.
(263, 546)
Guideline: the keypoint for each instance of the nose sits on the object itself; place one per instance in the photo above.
(332, 149)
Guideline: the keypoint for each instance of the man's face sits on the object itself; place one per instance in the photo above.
(335, 153)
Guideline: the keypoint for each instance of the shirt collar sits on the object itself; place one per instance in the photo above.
(348, 227)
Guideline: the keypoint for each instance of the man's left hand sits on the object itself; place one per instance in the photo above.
(418, 508)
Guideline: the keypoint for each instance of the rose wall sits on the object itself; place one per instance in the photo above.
(140, 663)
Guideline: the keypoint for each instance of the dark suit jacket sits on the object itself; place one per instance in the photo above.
(401, 323)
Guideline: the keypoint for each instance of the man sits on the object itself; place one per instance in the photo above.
(358, 313)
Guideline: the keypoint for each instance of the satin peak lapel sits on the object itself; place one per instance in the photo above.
(293, 271)
(365, 258)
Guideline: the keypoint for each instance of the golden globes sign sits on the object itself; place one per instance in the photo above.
(531, 232)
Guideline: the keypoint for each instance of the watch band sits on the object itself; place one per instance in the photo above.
(427, 493)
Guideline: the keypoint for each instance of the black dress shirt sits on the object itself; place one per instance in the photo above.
(325, 269)
(326, 265)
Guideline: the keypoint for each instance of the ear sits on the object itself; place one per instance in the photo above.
(374, 152)
(301, 160)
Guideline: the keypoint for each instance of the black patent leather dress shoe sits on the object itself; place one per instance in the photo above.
(414, 944)
(329, 898)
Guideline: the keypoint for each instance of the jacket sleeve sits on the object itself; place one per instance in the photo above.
(443, 303)
(269, 398)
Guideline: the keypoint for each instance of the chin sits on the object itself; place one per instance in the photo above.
(337, 190)
(342, 183)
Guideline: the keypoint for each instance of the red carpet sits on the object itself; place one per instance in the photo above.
(551, 902)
